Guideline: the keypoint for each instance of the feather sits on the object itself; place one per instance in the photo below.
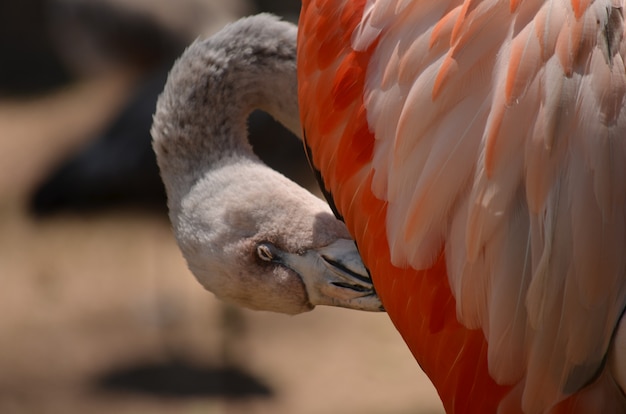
(498, 154)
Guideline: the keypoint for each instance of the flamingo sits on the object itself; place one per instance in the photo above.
(476, 150)
(249, 235)
(473, 150)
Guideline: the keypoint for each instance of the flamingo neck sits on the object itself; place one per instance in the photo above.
(245, 67)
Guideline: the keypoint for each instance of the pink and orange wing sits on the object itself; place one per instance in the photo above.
(476, 149)
(332, 76)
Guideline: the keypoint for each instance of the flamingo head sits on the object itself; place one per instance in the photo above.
(256, 239)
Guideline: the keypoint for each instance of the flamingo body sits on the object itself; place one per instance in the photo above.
(475, 150)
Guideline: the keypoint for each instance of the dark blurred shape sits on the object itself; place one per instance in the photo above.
(287, 8)
(92, 35)
(180, 379)
(29, 62)
(117, 167)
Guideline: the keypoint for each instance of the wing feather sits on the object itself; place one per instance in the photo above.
(514, 164)
(492, 137)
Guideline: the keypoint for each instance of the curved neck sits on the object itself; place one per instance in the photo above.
(200, 120)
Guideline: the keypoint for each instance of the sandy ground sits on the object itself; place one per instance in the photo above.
(98, 313)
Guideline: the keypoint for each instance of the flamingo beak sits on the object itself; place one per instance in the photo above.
(334, 275)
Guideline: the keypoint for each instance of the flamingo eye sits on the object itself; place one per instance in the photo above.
(264, 251)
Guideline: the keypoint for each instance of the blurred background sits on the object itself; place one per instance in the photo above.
(98, 312)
